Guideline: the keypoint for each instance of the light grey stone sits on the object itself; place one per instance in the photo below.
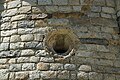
(96, 9)
(60, 2)
(85, 68)
(66, 9)
(51, 9)
(28, 66)
(6, 39)
(15, 67)
(27, 37)
(56, 66)
(4, 46)
(47, 59)
(44, 2)
(13, 4)
(4, 74)
(3, 61)
(31, 44)
(83, 75)
(63, 74)
(11, 12)
(70, 66)
(21, 75)
(19, 17)
(108, 10)
(48, 74)
(74, 2)
(41, 53)
(38, 37)
(110, 3)
(15, 38)
(29, 2)
(8, 32)
(16, 45)
(23, 59)
(77, 8)
(34, 75)
(25, 31)
(5, 26)
(34, 59)
(27, 52)
(25, 9)
(25, 24)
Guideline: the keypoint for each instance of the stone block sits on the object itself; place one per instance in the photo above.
(40, 23)
(19, 17)
(3, 61)
(96, 9)
(21, 75)
(14, 4)
(27, 37)
(99, 2)
(27, 52)
(4, 46)
(15, 38)
(70, 66)
(25, 24)
(34, 59)
(34, 75)
(83, 75)
(63, 74)
(77, 8)
(108, 10)
(110, 3)
(31, 44)
(42, 66)
(24, 9)
(6, 39)
(51, 9)
(8, 32)
(47, 59)
(15, 67)
(10, 12)
(23, 59)
(48, 74)
(85, 68)
(60, 2)
(44, 2)
(74, 2)
(4, 74)
(65, 9)
(56, 66)
(16, 45)
(29, 2)
(28, 66)
(41, 53)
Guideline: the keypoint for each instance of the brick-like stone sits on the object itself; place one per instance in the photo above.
(4, 74)
(47, 59)
(56, 66)
(27, 52)
(40, 23)
(16, 45)
(34, 75)
(19, 17)
(70, 66)
(108, 10)
(23, 60)
(60, 2)
(15, 38)
(25, 24)
(25, 9)
(74, 2)
(15, 67)
(13, 4)
(44, 2)
(110, 3)
(51, 9)
(43, 66)
(27, 37)
(85, 68)
(83, 75)
(4, 46)
(48, 74)
(34, 59)
(41, 53)
(65, 9)
(21, 75)
(63, 74)
(28, 66)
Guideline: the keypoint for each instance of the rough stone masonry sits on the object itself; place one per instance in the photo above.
(59, 40)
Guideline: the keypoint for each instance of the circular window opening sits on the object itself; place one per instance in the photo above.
(61, 44)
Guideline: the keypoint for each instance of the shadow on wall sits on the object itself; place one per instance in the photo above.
(1, 9)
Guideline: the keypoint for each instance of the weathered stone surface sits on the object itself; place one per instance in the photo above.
(63, 74)
(15, 67)
(41, 53)
(83, 75)
(86, 68)
(56, 66)
(13, 4)
(75, 2)
(16, 45)
(34, 59)
(47, 59)
(28, 66)
(27, 52)
(34, 75)
(15, 38)
(29, 2)
(70, 66)
(19, 17)
(110, 3)
(4, 46)
(27, 37)
(48, 74)
(3, 61)
(60, 2)
(21, 75)
(4, 74)
(108, 10)
(94, 41)
(10, 12)
(31, 44)
(40, 23)
(8, 32)
(23, 59)
(44, 2)
(5, 26)
(51, 9)
(66, 9)
(43, 66)
(26, 24)
(24, 9)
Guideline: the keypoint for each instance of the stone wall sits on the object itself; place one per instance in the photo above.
(31, 32)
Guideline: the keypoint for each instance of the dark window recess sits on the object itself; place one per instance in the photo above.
(118, 20)
(60, 46)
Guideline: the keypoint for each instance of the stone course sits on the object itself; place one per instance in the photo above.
(90, 33)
